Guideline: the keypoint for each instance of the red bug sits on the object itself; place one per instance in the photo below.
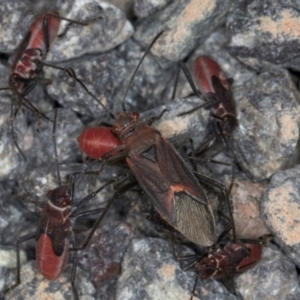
(216, 90)
(165, 178)
(55, 229)
(230, 259)
(29, 61)
(223, 261)
(211, 79)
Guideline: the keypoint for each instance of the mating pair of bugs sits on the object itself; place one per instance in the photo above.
(174, 190)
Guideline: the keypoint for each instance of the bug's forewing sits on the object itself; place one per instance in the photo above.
(58, 233)
(175, 192)
(194, 215)
(156, 186)
(223, 95)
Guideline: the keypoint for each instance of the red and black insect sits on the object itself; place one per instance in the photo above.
(216, 90)
(30, 59)
(54, 231)
(223, 261)
(159, 170)
(229, 259)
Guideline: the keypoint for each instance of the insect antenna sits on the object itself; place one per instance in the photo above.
(137, 68)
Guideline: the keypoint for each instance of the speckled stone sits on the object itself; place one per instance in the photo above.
(11, 161)
(11, 33)
(103, 35)
(35, 286)
(185, 24)
(280, 208)
(275, 277)
(246, 198)
(102, 260)
(107, 77)
(173, 126)
(149, 271)
(264, 34)
(268, 116)
(144, 8)
(40, 147)
(101, 74)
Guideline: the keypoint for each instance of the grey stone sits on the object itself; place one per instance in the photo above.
(41, 149)
(280, 209)
(268, 115)
(107, 77)
(264, 34)
(144, 8)
(103, 35)
(275, 277)
(34, 285)
(176, 127)
(13, 17)
(11, 161)
(246, 198)
(103, 259)
(185, 24)
(150, 272)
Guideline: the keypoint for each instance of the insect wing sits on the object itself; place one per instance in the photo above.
(175, 192)
(223, 95)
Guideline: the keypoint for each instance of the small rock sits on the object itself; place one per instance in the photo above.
(275, 277)
(280, 208)
(185, 24)
(107, 77)
(35, 286)
(149, 271)
(13, 18)
(41, 148)
(268, 116)
(265, 34)
(11, 161)
(144, 8)
(246, 197)
(102, 35)
(102, 259)
(173, 126)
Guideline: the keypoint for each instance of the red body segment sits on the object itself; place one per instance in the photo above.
(49, 264)
(97, 141)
